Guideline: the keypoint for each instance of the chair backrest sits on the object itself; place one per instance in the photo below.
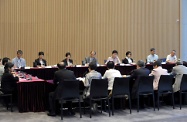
(70, 89)
(183, 86)
(121, 86)
(165, 83)
(99, 88)
(145, 83)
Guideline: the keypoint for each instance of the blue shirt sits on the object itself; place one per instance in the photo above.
(152, 58)
(19, 62)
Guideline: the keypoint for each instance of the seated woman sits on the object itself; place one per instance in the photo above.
(68, 61)
(8, 80)
(40, 62)
(128, 59)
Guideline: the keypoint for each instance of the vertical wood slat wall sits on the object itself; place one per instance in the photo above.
(79, 26)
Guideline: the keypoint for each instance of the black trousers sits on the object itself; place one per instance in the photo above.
(53, 101)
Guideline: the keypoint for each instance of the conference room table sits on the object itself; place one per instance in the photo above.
(33, 93)
(80, 71)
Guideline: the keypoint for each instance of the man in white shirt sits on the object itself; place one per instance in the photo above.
(114, 58)
(172, 58)
(152, 57)
(110, 74)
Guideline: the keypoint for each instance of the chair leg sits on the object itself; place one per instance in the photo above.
(158, 101)
(173, 100)
(61, 109)
(154, 101)
(138, 103)
(180, 100)
(108, 106)
(90, 108)
(80, 109)
(84, 106)
(101, 105)
(112, 105)
(11, 105)
(105, 105)
(129, 103)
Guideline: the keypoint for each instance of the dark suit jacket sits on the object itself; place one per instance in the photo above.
(59, 76)
(125, 61)
(37, 62)
(65, 61)
(87, 60)
(8, 83)
(134, 78)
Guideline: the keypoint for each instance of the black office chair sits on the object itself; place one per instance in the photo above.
(183, 87)
(70, 92)
(99, 92)
(6, 96)
(120, 89)
(165, 86)
(145, 87)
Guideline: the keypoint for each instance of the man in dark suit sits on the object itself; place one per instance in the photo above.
(40, 62)
(59, 76)
(90, 59)
(140, 71)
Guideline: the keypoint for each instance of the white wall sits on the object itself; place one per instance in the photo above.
(184, 30)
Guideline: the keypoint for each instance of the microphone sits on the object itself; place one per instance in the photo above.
(75, 62)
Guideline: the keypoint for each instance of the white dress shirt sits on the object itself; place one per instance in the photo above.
(115, 60)
(110, 75)
(172, 59)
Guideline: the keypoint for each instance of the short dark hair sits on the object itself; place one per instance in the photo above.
(152, 49)
(92, 66)
(114, 51)
(5, 60)
(41, 53)
(128, 52)
(8, 65)
(19, 52)
(141, 63)
(68, 53)
(110, 65)
(174, 50)
(61, 65)
(157, 63)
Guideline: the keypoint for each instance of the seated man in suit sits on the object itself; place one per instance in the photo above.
(68, 61)
(152, 57)
(114, 58)
(178, 72)
(157, 72)
(18, 61)
(172, 58)
(59, 76)
(90, 59)
(40, 62)
(128, 59)
(140, 71)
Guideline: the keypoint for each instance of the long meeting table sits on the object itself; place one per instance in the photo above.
(33, 94)
(48, 73)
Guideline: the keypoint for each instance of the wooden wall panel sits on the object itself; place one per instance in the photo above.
(79, 26)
